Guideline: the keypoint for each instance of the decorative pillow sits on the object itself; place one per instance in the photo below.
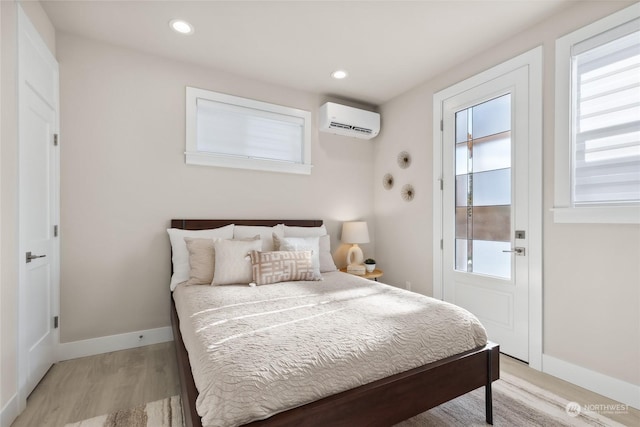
(265, 233)
(326, 259)
(180, 254)
(301, 244)
(281, 266)
(233, 264)
(201, 260)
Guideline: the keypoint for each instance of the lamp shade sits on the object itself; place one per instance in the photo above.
(355, 232)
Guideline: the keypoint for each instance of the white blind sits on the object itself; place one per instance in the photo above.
(246, 132)
(606, 117)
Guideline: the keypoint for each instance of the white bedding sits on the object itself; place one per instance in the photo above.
(257, 351)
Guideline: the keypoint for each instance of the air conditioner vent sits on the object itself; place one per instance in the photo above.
(339, 125)
(336, 125)
(363, 130)
(349, 121)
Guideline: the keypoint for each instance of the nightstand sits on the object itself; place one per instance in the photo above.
(373, 275)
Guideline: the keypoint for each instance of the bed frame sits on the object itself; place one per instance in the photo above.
(381, 403)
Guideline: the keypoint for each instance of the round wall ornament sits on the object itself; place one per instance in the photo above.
(404, 159)
(387, 181)
(407, 192)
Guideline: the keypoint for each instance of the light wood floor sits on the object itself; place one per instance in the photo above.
(83, 388)
(78, 389)
(564, 389)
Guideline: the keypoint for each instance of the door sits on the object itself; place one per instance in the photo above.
(38, 205)
(485, 207)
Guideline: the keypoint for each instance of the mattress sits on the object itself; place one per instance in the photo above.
(257, 351)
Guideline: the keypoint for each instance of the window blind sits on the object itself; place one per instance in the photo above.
(606, 117)
(246, 132)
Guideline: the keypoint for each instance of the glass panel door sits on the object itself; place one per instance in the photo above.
(485, 206)
(483, 188)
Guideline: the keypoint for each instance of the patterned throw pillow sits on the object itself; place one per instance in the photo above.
(301, 244)
(281, 266)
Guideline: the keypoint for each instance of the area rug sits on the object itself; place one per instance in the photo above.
(515, 403)
(161, 413)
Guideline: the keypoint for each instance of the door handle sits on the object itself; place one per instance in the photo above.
(30, 257)
(517, 251)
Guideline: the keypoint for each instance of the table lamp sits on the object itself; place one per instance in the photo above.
(355, 232)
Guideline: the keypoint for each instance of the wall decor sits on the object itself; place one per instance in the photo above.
(407, 192)
(404, 159)
(387, 181)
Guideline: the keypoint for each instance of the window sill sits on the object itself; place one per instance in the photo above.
(208, 159)
(597, 215)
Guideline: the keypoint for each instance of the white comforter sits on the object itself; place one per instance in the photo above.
(257, 351)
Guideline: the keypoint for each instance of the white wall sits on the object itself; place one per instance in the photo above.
(123, 177)
(591, 272)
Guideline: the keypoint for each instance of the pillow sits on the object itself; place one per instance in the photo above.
(265, 233)
(180, 254)
(304, 231)
(301, 244)
(282, 266)
(201, 260)
(326, 259)
(232, 261)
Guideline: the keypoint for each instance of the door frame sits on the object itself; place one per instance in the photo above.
(533, 60)
(26, 29)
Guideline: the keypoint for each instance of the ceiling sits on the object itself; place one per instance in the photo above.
(387, 47)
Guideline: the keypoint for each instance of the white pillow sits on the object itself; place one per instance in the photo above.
(180, 254)
(265, 233)
(304, 231)
(302, 244)
(233, 264)
(326, 259)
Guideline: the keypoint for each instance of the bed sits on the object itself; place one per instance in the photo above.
(381, 402)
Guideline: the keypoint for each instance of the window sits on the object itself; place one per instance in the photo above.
(483, 187)
(598, 121)
(229, 131)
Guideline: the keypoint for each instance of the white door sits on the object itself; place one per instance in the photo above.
(38, 206)
(485, 207)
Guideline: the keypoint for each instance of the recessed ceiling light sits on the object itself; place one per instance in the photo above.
(181, 26)
(339, 74)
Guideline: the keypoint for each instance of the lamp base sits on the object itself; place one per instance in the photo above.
(357, 269)
(354, 255)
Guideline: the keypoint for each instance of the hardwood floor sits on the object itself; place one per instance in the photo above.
(571, 392)
(78, 389)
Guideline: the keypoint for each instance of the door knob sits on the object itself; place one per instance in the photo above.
(30, 257)
(517, 251)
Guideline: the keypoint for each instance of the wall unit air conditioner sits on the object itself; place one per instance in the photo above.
(349, 121)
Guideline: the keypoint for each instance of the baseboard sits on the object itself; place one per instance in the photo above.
(93, 346)
(9, 412)
(613, 388)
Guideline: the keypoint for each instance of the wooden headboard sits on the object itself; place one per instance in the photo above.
(204, 224)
